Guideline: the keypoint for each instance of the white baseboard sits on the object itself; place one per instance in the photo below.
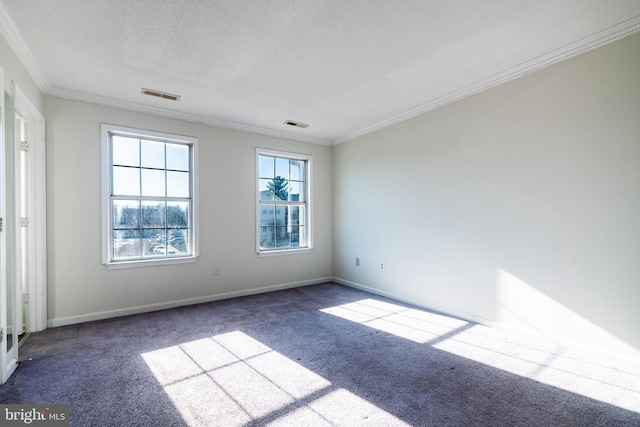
(594, 351)
(89, 317)
(393, 296)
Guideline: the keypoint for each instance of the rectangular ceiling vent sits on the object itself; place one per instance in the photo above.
(296, 124)
(160, 94)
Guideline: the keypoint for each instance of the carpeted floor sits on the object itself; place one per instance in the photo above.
(318, 355)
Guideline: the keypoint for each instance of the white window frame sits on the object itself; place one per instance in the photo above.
(309, 203)
(107, 215)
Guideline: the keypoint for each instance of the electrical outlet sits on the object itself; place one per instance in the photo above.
(216, 270)
(357, 262)
(382, 266)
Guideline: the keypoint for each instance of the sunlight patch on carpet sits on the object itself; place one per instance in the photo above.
(233, 380)
(529, 356)
(415, 325)
(546, 362)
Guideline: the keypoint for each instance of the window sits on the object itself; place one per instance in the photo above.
(283, 203)
(148, 197)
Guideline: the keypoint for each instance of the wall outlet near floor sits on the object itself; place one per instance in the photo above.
(216, 270)
(382, 266)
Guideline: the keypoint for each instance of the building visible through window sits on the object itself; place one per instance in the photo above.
(150, 187)
(283, 199)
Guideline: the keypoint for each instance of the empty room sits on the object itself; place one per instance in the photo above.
(320, 213)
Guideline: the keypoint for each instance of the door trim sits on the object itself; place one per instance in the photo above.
(8, 359)
(36, 313)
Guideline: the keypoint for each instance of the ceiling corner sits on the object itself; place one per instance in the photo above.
(606, 36)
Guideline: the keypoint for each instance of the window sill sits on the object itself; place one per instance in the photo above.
(119, 265)
(284, 252)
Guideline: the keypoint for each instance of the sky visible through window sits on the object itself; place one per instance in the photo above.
(149, 168)
(151, 198)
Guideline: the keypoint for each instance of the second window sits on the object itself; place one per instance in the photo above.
(283, 201)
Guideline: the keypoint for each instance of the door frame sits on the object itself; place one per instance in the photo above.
(8, 358)
(36, 253)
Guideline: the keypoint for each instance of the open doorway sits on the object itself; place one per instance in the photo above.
(8, 314)
(23, 296)
(29, 214)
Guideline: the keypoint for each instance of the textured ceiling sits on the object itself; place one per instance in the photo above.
(344, 67)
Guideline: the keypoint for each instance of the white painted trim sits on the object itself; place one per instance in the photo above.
(89, 317)
(17, 243)
(17, 43)
(105, 207)
(122, 265)
(188, 117)
(396, 297)
(606, 36)
(586, 44)
(281, 252)
(7, 357)
(37, 212)
(106, 213)
(11, 367)
(308, 158)
(19, 46)
(595, 351)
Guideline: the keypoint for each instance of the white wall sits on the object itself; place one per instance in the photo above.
(81, 288)
(519, 205)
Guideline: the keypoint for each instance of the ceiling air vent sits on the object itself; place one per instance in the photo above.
(160, 94)
(296, 124)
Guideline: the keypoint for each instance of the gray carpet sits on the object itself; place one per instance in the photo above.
(318, 355)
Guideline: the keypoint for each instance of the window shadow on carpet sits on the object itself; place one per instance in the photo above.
(318, 355)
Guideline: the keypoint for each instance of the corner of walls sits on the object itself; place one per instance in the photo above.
(516, 207)
(108, 314)
(81, 288)
(629, 358)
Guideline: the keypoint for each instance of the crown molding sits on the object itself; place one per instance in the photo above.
(10, 32)
(19, 46)
(611, 34)
(586, 44)
(171, 114)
